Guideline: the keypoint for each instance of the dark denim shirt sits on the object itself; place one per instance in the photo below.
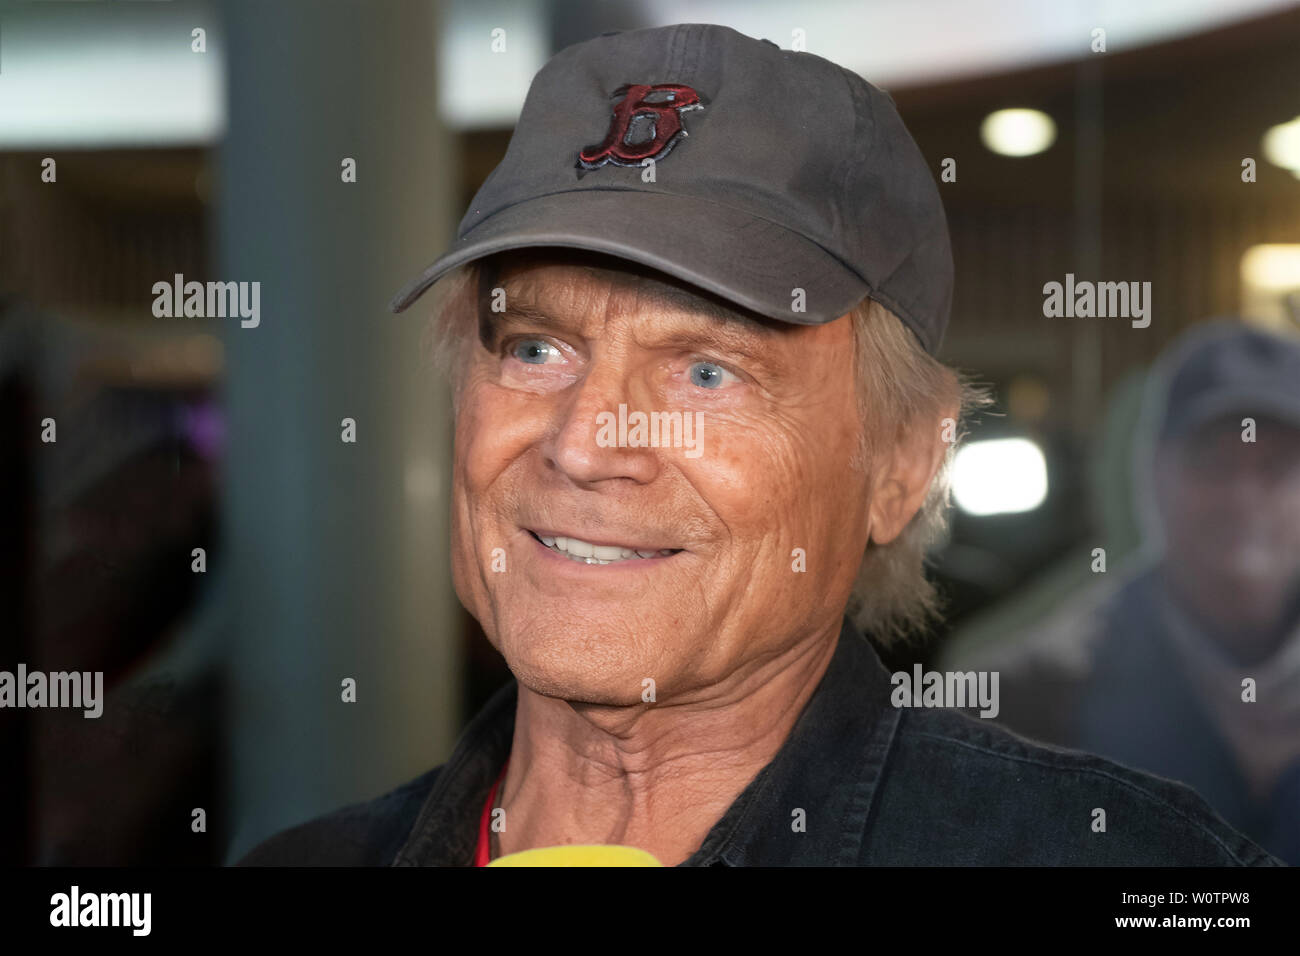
(879, 785)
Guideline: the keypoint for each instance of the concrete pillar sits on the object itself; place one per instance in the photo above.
(337, 551)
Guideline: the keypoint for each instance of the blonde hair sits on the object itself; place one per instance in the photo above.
(900, 387)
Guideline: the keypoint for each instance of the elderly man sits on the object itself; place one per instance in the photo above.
(689, 324)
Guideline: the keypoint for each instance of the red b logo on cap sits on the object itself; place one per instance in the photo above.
(646, 125)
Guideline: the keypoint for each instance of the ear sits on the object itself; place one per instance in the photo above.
(906, 472)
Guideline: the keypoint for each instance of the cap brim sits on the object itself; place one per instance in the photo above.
(749, 261)
(1240, 400)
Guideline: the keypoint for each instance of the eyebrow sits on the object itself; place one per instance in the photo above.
(728, 329)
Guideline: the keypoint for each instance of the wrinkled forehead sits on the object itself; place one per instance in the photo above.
(560, 280)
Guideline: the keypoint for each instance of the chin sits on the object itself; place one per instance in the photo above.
(580, 669)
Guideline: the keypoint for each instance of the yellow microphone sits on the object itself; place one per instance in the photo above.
(593, 855)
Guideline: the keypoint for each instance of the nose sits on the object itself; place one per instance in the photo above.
(585, 443)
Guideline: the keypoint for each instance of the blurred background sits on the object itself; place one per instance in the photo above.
(197, 530)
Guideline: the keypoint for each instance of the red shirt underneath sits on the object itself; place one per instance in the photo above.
(483, 852)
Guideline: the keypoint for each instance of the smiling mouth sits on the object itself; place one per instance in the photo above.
(584, 552)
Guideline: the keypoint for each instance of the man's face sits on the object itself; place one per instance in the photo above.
(1232, 519)
(754, 534)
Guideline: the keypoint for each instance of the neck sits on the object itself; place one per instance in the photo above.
(656, 776)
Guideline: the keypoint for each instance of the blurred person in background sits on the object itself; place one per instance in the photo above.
(100, 555)
(1188, 664)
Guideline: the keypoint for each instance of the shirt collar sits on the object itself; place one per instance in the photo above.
(446, 830)
(808, 807)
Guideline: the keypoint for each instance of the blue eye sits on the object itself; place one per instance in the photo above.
(708, 374)
(533, 351)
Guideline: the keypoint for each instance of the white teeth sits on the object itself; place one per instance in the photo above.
(584, 552)
(581, 549)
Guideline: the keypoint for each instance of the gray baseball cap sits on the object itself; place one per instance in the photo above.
(743, 169)
(1226, 367)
